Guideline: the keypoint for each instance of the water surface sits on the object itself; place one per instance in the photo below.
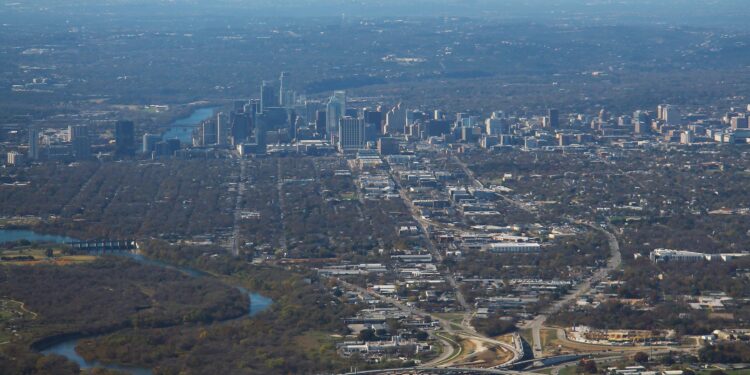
(182, 129)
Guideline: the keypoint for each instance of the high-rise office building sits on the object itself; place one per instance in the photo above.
(320, 122)
(241, 127)
(373, 116)
(221, 129)
(395, 119)
(286, 96)
(641, 122)
(436, 128)
(335, 110)
(149, 142)
(283, 81)
(351, 134)
(373, 124)
(14, 158)
(553, 117)
(267, 96)
(209, 133)
(496, 126)
(167, 148)
(80, 141)
(33, 143)
(311, 111)
(740, 122)
(261, 132)
(660, 111)
(686, 137)
(124, 138)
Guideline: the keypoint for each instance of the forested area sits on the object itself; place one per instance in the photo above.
(563, 259)
(261, 197)
(105, 296)
(726, 352)
(644, 279)
(315, 212)
(114, 292)
(626, 183)
(287, 338)
(667, 315)
(124, 200)
(710, 234)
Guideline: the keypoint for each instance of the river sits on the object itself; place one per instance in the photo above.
(66, 348)
(12, 235)
(182, 129)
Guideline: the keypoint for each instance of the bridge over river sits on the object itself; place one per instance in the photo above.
(103, 246)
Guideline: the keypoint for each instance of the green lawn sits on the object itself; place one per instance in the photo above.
(569, 370)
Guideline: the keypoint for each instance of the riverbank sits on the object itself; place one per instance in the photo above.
(66, 344)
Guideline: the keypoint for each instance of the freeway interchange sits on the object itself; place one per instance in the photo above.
(451, 334)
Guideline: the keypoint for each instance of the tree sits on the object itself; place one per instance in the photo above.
(393, 326)
(667, 360)
(421, 335)
(587, 366)
(367, 335)
(640, 357)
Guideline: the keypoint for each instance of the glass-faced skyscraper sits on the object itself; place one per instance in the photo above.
(335, 110)
(267, 96)
(124, 138)
(351, 134)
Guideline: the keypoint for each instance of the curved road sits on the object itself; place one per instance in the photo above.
(614, 262)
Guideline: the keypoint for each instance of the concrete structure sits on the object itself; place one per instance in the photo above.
(33, 144)
(14, 158)
(351, 134)
(513, 247)
(80, 141)
(125, 138)
(668, 255)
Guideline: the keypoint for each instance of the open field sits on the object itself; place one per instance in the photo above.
(12, 313)
(40, 257)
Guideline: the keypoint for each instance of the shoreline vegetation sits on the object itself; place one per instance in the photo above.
(303, 312)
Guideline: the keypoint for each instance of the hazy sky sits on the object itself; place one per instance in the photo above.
(730, 13)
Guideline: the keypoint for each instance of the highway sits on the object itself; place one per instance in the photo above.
(614, 262)
(466, 331)
(438, 370)
(448, 356)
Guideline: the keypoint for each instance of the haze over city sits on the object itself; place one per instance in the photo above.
(521, 187)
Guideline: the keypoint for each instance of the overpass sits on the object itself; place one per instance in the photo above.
(440, 370)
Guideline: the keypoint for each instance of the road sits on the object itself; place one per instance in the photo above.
(614, 262)
(466, 331)
(437, 370)
(479, 184)
(446, 325)
(424, 226)
(282, 204)
(238, 209)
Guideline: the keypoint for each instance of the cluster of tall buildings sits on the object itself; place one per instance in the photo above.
(282, 119)
(72, 144)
